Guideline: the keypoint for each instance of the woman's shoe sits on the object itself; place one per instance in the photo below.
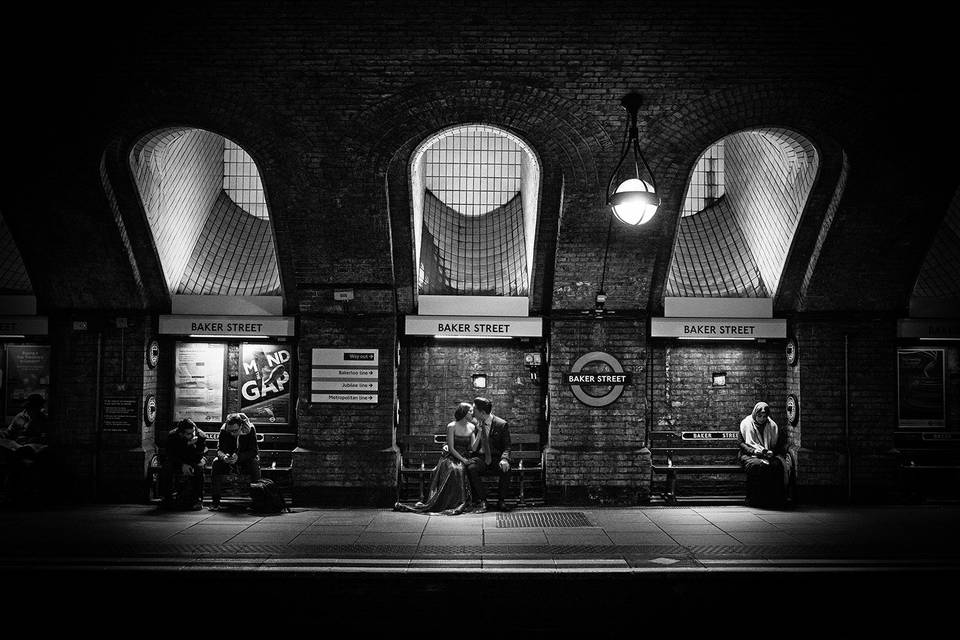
(214, 507)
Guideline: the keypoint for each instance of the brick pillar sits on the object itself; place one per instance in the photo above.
(101, 382)
(347, 453)
(598, 454)
(848, 411)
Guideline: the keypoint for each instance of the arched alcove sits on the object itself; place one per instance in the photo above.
(937, 289)
(741, 209)
(475, 192)
(207, 212)
(13, 274)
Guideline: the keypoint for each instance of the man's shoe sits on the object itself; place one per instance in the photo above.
(502, 507)
(214, 507)
(481, 508)
(196, 506)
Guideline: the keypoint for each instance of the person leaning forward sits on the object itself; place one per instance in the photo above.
(25, 465)
(493, 455)
(186, 446)
(237, 451)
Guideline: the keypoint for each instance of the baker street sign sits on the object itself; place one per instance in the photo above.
(613, 382)
(598, 378)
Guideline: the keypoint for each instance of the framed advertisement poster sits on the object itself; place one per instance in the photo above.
(921, 387)
(266, 377)
(26, 371)
(198, 381)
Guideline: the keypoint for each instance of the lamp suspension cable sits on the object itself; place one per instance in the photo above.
(635, 200)
(603, 277)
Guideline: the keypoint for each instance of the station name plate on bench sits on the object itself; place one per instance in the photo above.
(953, 437)
(709, 435)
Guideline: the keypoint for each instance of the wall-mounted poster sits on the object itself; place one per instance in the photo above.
(266, 377)
(121, 413)
(198, 381)
(27, 371)
(922, 398)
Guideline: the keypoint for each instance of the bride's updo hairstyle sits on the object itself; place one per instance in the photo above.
(462, 409)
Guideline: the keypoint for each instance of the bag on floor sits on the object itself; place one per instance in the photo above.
(265, 497)
(186, 494)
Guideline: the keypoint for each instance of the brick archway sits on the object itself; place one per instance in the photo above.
(567, 140)
(271, 147)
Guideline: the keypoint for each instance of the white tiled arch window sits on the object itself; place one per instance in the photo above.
(475, 191)
(208, 214)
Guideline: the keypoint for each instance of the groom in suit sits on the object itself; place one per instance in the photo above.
(493, 456)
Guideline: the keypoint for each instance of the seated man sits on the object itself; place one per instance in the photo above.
(493, 456)
(237, 452)
(23, 453)
(185, 447)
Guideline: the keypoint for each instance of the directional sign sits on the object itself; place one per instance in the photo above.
(345, 376)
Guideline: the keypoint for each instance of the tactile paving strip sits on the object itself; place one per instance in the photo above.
(542, 519)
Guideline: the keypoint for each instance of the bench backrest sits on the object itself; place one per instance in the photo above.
(417, 449)
(694, 447)
(273, 447)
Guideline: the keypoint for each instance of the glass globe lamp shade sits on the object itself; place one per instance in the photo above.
(634, 202)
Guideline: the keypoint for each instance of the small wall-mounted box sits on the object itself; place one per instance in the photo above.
(343, 295)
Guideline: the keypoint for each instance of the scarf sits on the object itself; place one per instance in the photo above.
(750, 430)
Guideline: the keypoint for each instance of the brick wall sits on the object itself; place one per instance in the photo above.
(436, 375)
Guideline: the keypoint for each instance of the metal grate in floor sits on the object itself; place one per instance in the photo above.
(542, 519)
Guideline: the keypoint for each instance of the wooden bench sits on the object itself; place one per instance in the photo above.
(419, 454)
(928, 463)
(276, 463)
(693, 452)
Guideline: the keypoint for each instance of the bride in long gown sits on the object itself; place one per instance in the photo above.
(449, 485)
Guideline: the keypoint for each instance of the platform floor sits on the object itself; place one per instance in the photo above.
(556, 561)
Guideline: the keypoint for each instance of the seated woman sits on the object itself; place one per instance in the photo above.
(766, 458)
(237, 452)
(449, 485)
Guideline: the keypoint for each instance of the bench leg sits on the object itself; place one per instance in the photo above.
(671, 495)
(421, 487)
(520, 501)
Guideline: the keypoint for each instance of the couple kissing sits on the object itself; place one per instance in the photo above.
(477, 444)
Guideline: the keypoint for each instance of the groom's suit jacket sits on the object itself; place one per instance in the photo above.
(499, 438)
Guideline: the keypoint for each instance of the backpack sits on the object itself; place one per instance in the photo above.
(265, 497)
(186, 495)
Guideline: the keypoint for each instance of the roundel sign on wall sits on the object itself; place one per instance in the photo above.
(153, 354)
(150, 409)
(597, 388)
(793, 409)
(791, 351)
